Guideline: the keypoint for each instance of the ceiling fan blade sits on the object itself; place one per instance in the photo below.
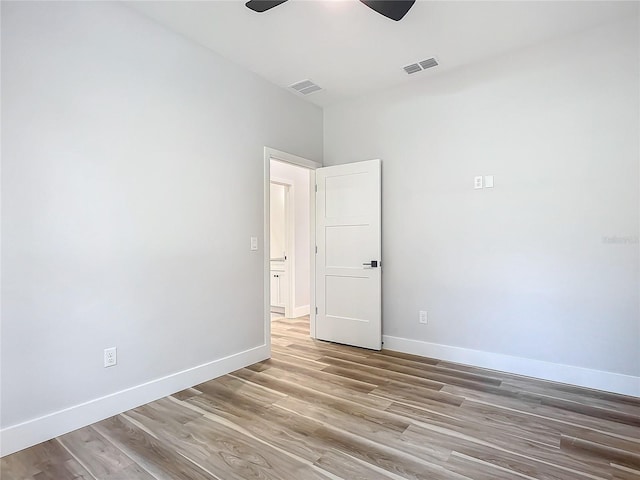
(263, 5)
(393, 9)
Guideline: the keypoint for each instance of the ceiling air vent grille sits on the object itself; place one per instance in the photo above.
(413, 68)
(428, 63)
(305, 87)
(421, 65)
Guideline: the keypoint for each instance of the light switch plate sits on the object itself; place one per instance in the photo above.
(477, 182)
(254, 243)
(488, 181)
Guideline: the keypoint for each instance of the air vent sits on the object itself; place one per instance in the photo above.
(428, 63)
(305, 87)
(421, 65)
(413, 68)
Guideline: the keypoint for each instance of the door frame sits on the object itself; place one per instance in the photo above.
(273, 154)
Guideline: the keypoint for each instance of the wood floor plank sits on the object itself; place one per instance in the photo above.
(320, 345)
(473, 376)
(95, 453)
(518, 455)
(370, 431)
(416, 395)
(623, 473)
(306, 353)
(473, 425)
(279, 341)
(364, 367)
(311, 346)
(322, 376)
(362, 421)
(527, 404)
(298, 360)
(450, 377)
(47, 460)
(283, 429)
(132, 472)
(619, 403)
(188, 393)
(508, 438)
(323, 411)
(228, 453)
(482, 470)
(339, 400)
(69, 469)
(333, 389)
(587, 395)
(292, 384)
(618, 456)
(152, 454)
(409, 356)
(376, 376)
(588, 410)
(258, 393)
(385, 457)
(345, 467)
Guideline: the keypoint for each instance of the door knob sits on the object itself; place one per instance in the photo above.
(372, 264)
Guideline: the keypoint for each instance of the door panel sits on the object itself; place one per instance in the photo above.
(348, 228)
(343, 245)
(346, 200)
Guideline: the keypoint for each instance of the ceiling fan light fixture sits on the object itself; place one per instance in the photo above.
(392, 9)
(261, 6)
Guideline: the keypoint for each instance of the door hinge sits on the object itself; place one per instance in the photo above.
(316, 249)
(316, 310)
(316, 187)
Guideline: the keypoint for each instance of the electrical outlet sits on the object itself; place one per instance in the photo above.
(423, 316)
(110, 357)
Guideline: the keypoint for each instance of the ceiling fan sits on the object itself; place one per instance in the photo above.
(393, 9)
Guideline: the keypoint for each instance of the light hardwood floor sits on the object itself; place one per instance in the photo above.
(323, 411)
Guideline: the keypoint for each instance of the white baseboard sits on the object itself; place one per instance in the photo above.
(37, 430)
(584, 377)
(300, 311)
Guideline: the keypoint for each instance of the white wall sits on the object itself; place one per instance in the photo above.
(521, 277)
(298, 177)
(132, 179)
(278, 220)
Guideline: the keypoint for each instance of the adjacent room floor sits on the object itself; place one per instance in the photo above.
(323, 411)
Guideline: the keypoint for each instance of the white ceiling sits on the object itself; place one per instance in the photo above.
(350, 50)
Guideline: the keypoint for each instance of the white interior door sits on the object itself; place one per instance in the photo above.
(348, 261)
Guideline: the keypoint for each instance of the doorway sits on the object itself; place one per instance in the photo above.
(289, 239)
(290, 259)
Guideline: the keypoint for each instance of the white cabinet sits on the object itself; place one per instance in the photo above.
(279, 286)
(278, 289)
